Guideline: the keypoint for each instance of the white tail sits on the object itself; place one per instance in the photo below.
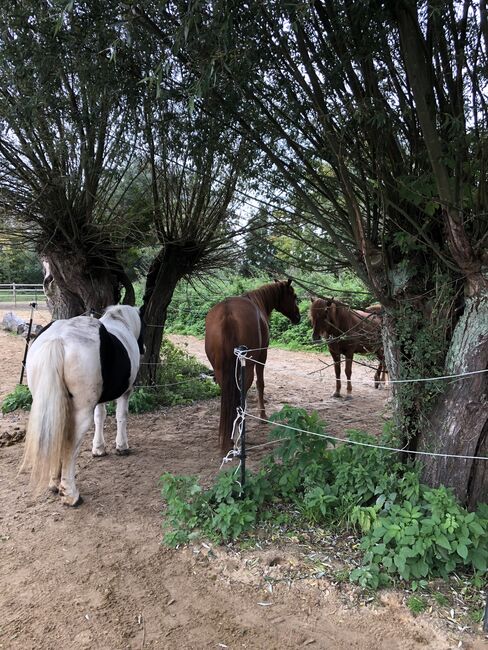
(50, 427)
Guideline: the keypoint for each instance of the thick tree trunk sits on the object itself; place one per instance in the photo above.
(73, 286)
(459, 419)
(172, 263)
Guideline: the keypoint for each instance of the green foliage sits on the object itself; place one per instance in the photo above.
(140, 401)
(19, 265)
(416, 604)
(191, 303)
(422, 342)
(181, 379)
(218, 513)
(408, 530)
(19, 398)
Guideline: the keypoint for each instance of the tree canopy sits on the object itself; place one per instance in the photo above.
(373, 119)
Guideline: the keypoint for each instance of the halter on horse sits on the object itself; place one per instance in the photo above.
(73, 367)
(348, 331)
(244, 320)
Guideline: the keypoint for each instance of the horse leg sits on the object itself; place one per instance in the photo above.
(348, 375)
(67, 487)
(337, 368)
(55, 477)
(377, 375)
(98, 446)
(260, 389)
(121, 442)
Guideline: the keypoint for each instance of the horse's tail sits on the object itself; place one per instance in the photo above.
(50, 421)
(229, 402)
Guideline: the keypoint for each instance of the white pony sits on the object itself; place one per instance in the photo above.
(73, 367)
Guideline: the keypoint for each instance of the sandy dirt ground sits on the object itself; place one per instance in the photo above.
(98, 577)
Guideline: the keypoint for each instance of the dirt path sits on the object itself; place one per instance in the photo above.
(98, 577)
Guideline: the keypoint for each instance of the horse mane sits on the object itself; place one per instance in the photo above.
(267, 293)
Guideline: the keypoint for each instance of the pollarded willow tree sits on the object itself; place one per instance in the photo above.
(192, 177)
(67, 110)
(191, 169)
(374, 115)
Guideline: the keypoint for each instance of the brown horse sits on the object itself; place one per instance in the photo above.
(348, 331)
(244, 320)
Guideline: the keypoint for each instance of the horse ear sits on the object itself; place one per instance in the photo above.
(275, 280)
(289, 281)
(312, 299)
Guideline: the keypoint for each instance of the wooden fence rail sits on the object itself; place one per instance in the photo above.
(20, 293)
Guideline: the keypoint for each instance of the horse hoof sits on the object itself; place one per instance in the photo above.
(98, 453)
(338, 395)
(53, 487)
(122, 452)
(72, 502)
(348, 396)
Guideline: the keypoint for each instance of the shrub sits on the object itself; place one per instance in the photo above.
(19, 398)
(181, 379)
(408, 530)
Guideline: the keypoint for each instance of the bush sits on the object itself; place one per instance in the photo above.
(181, 379)
(19, 398)
(408, 530)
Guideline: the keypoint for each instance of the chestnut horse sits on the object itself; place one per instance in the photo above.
(348, 331)
(244, 320)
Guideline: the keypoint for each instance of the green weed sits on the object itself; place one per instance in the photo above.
(181, 379)
(19, 398)
(416, 604)
(408, 530)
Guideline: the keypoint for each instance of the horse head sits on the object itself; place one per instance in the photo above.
(319, 310)
(288, 304)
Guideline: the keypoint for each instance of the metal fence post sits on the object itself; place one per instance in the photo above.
(33, 305)
(242, 389)
(485, 617)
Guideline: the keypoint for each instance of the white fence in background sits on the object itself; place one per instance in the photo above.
(21, 293)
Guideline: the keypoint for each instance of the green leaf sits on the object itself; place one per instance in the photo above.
(462, 551)
(442, 541)
(479, 559)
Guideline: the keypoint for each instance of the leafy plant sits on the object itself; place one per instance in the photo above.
(408, 530)
(140, 401)
(181, 380)
(19, 398)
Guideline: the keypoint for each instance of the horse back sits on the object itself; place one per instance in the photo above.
(98, 367)
(233, 322)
